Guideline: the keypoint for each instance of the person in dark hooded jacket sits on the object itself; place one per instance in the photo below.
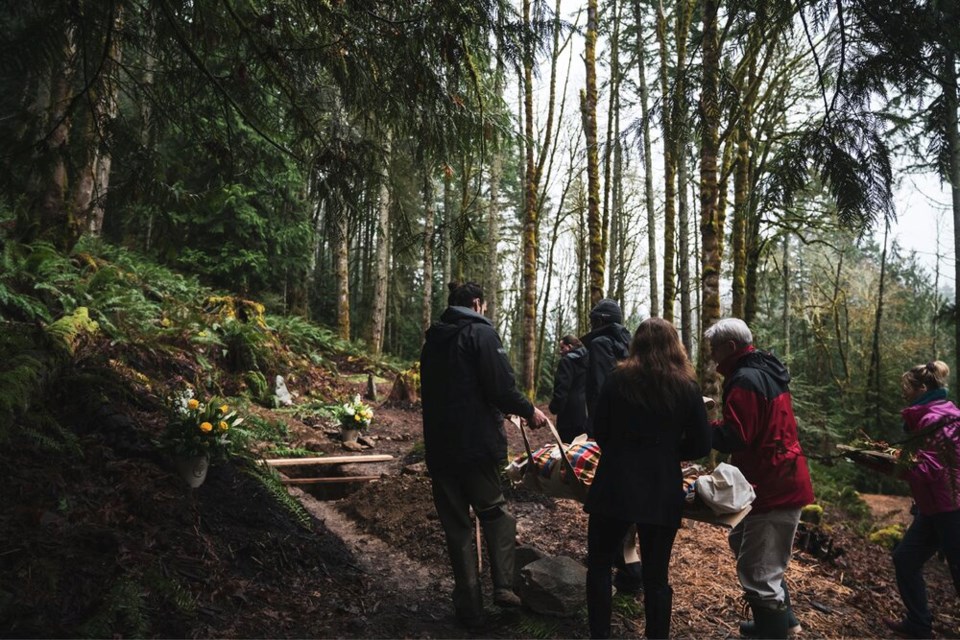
(607, 343)
(760, 430)
(569, 402)
(467, 385)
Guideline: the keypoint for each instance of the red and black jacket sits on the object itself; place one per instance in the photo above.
(760, 430)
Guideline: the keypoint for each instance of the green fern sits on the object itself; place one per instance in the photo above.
(533, 626)
(291, 452)
(122, 611)
(270, 480)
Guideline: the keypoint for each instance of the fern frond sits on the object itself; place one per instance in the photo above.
(270, 480)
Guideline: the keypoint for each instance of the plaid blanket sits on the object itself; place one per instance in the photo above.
(584, 457)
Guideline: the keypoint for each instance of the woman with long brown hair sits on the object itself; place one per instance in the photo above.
(649, 417)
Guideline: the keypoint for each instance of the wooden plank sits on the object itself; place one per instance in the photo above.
(331, 480)
(293, 462)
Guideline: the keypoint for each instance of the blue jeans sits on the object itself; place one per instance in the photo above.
(926, 535)
(604, 544)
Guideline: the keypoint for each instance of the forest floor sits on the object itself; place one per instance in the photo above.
(112, 544)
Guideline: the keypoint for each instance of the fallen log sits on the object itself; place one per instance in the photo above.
(293, 462)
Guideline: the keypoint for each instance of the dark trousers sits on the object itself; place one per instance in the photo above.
(453, 495)
(604, 543)
(926, 535)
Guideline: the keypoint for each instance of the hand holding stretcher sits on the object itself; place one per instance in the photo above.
(566, 471)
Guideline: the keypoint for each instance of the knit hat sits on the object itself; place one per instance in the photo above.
(607, 310)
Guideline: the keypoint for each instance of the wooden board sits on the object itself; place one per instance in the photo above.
(332, 480)
(293, 462)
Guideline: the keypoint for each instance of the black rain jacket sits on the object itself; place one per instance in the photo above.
(569, 402)
(466, 385)
(607, 346)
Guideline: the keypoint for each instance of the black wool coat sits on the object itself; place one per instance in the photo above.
(466, 385)
(638, 479)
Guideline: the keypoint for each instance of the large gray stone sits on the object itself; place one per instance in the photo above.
(524, 555)
(554, 586)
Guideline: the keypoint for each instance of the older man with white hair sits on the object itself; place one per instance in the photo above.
(760, 431)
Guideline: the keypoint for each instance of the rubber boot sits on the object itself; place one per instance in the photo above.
(748, 627)
(467, 598)
(500, 534)
(628, 578)
(658, 607)
(770, 623)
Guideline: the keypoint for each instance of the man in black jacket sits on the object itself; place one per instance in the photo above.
(569, 402)
(608, 343)
(466, 382)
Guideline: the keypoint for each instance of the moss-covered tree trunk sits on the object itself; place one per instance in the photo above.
(530, 224)
(588, 110)
(710, 229)
(381, 278)
(669, 172)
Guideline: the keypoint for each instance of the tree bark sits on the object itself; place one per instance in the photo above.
(342, 271)
(530, 225)
(378, 314)
(492, 267)
(709, 224)
(428, 219)
(669, 171)
(588, 109)
(105, 108)
(952, 105)
(647, 165)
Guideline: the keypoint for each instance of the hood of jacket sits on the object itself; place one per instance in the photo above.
(749, 356)
(451, 321)
(614, 331)
(580, 354)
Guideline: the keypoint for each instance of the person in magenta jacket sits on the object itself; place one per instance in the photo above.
(932, 456)
(760, 431)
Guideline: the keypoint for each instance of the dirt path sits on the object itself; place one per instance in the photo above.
(405, 597)
(887, 510)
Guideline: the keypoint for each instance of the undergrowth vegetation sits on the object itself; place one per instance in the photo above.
(92, 347)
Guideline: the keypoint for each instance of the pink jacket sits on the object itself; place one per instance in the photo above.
(935, 478)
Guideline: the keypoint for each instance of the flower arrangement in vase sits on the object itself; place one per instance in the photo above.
(198, 432)
(354, 417)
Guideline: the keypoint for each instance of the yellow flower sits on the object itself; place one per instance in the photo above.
(206, 427)
(223, 426)
(224, 408)
(358, 418)
(193, 403)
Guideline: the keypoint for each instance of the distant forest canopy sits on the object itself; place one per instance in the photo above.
(344, 160)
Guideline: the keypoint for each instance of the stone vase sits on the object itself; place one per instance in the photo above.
(193, 469)
(349, 435)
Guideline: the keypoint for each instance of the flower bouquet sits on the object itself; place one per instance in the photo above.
(354, 417)
(198, 432)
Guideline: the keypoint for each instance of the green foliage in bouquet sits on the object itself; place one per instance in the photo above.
(355, 414)
(196, 428)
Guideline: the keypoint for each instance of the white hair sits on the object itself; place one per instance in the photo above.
(729, 329)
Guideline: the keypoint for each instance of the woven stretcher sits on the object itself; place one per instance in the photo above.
(563, 470)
